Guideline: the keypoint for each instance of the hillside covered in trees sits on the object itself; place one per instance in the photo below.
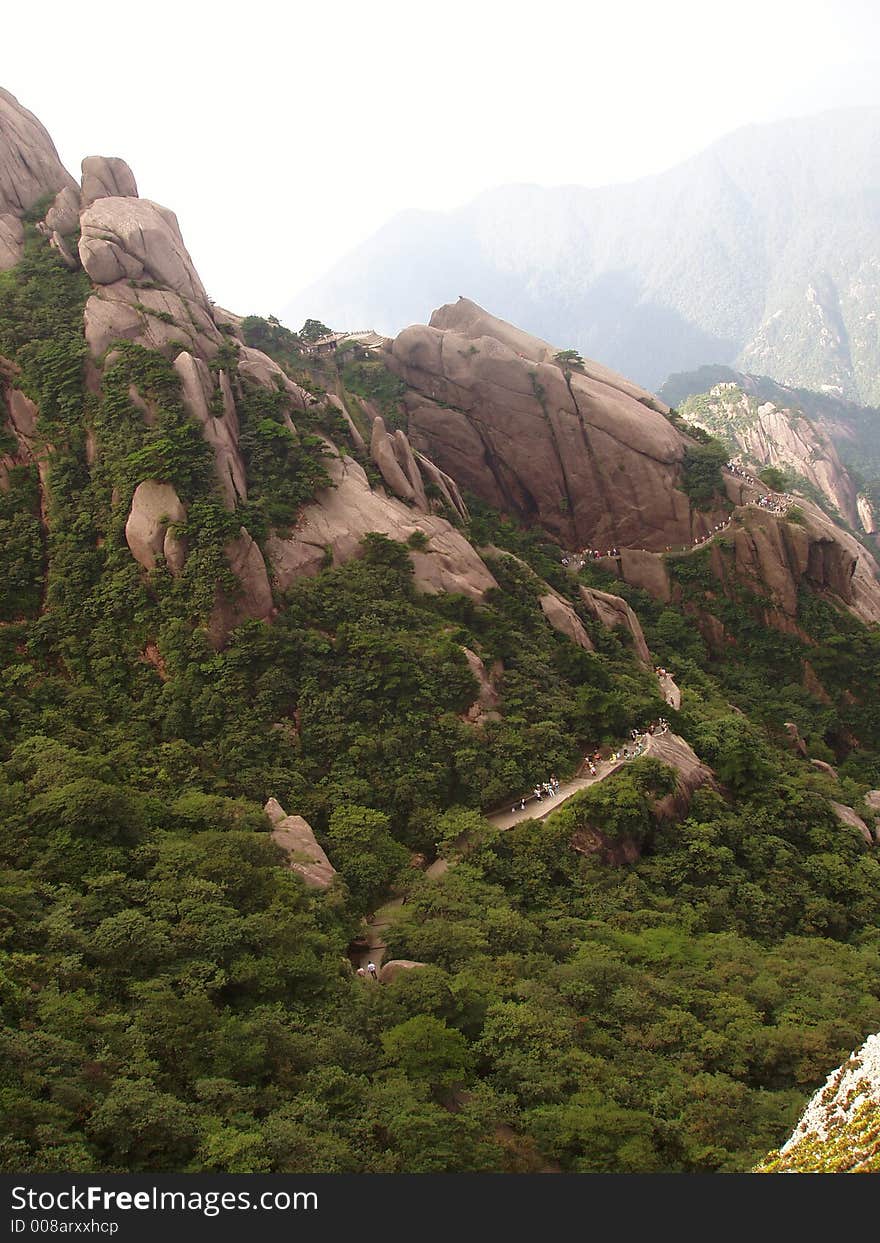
(235, 569)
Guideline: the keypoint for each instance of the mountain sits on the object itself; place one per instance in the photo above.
(831, 447)
(306, 665)
(760, 253)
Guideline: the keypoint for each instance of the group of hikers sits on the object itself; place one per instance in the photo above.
(370, 971)
(576, 560)
(540, 791)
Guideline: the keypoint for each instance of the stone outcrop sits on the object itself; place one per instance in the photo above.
(562, 617)
(582, 452)
(848, 817)
(486, 704)
(691, 773)
(154, 507)
(776, 557)
(247, 564)
(613, 613)
(794, 737)
(136, 239)
(396, 967)
(295, 837)
(106, 177)
(331, 528)
(221, 429)
(397, 466)
(646, 570)
(356, 438)
(827, 769)
(29, 170)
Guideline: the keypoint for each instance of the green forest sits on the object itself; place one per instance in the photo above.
(174, 998)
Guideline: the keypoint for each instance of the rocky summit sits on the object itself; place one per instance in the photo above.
(421, 754)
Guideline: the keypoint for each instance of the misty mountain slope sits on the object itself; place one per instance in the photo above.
(840, 437)
(762, 252)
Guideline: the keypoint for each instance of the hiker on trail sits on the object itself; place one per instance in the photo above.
(371, 967)
(361, 973)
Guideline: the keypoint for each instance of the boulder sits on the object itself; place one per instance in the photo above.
(154, 507)
(106, 177)
(136, 239)
(330, 530)
(691, 773)
(396, 967)
(295, 837)
(63, 216)
(563, 618)
(872, 800)
(848, 817)
(824, 768)
(613, 612)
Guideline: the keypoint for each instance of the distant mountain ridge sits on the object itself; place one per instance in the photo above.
(762, 252)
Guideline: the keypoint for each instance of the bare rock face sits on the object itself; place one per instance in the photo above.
(295, 837)
(396, 967)
(332, 526)
(848, 817)
(11, 241)
(29, 169)
(776, 557)
(261, 369)
(614, 612)
(563, 618)
(588, 456)
(154, 318)
(471, 320)
(106, 177)
(136, 239)
(646, 570)
(154, 507)
(220, 430)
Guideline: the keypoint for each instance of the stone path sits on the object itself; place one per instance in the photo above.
(375, 925)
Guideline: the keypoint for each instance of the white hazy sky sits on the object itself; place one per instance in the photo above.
(283, 134)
